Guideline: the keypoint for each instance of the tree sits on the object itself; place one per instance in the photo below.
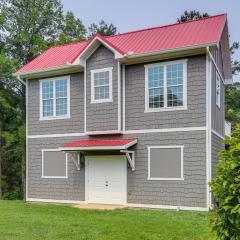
(27, 28)
(102, 28)
(191, 15)
(226, 189)
(72, 29)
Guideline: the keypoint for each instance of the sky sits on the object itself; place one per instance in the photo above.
(129, 15)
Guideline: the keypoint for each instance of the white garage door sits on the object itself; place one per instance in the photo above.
(106, 179)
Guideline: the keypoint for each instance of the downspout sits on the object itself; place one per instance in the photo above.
(20, 80)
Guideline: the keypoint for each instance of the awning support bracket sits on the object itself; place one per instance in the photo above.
(76, 156)
(130, 157)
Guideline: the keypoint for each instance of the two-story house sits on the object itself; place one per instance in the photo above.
(134, 119)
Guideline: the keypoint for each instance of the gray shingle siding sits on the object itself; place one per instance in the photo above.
(217, 146)
(194, 116)
(102, 116)
(189, 192)
(72, 125)
(72, 188)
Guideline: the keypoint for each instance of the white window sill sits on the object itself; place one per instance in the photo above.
(166, 179)
(101, 101)
(150, 110)
(54, 118)
(52, 177)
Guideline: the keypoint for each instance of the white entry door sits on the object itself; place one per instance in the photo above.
(106, 179)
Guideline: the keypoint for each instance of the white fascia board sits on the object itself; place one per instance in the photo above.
(30, 74)
(93, 46)
(130, 56)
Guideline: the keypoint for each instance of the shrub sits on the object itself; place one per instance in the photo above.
(226, 189)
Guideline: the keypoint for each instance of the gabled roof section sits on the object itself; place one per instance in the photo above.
(191, 34)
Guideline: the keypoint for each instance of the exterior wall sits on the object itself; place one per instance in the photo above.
(217, 146)
(72, 188)
(194, 116)
(102, 116)
(190, 192)
(72, 125)
(218, 114)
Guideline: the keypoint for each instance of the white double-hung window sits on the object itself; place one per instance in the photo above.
(165, 86)
(55, 98)
(101, 85)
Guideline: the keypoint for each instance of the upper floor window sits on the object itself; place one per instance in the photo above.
(54, 98)
(165, 86)
(101, 85)
(218, 90)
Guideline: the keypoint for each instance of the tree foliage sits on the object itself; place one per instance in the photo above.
(226, 189)
(27, 28)
(191, 15)
(232, 103)
(102, 28)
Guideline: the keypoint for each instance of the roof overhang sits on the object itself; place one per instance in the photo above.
(96, 145)
(96, 41)
(48, 72)
(166, 54)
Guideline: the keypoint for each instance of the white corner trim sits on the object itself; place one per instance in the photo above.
(165, 147)
(119, 97)
(54, 117)
(164, 65)
(54, 201)
(123, 98)
(209, 130)
(185, 208)
(66, 162)
(110, 99)
(26, 101)
(140, 131)
(85, 97)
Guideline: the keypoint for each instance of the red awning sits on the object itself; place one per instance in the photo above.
(99, 144)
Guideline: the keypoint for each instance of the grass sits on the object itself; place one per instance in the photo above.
(19, 220)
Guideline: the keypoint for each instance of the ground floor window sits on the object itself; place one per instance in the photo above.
(54, 164)
(165, 162)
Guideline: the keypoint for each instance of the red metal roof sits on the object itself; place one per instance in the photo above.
(179, 35)
(100, 143)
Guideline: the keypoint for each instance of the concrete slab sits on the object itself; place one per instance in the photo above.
(99, 206)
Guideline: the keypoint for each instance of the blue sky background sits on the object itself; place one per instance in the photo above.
(128, 15)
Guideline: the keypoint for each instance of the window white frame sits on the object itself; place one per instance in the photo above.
(41, 81)
(66, 160)
(218, 90)
(164, 65)
(110, 99)
(165, 147)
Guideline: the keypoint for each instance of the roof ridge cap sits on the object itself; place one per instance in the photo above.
(168, 25)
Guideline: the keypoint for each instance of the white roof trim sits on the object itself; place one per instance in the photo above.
(88, 51)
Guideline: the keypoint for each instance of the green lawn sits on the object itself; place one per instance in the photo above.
(20, 220)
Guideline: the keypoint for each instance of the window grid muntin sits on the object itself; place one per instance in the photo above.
(56, 111)
(182, 87)
(101, 85)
